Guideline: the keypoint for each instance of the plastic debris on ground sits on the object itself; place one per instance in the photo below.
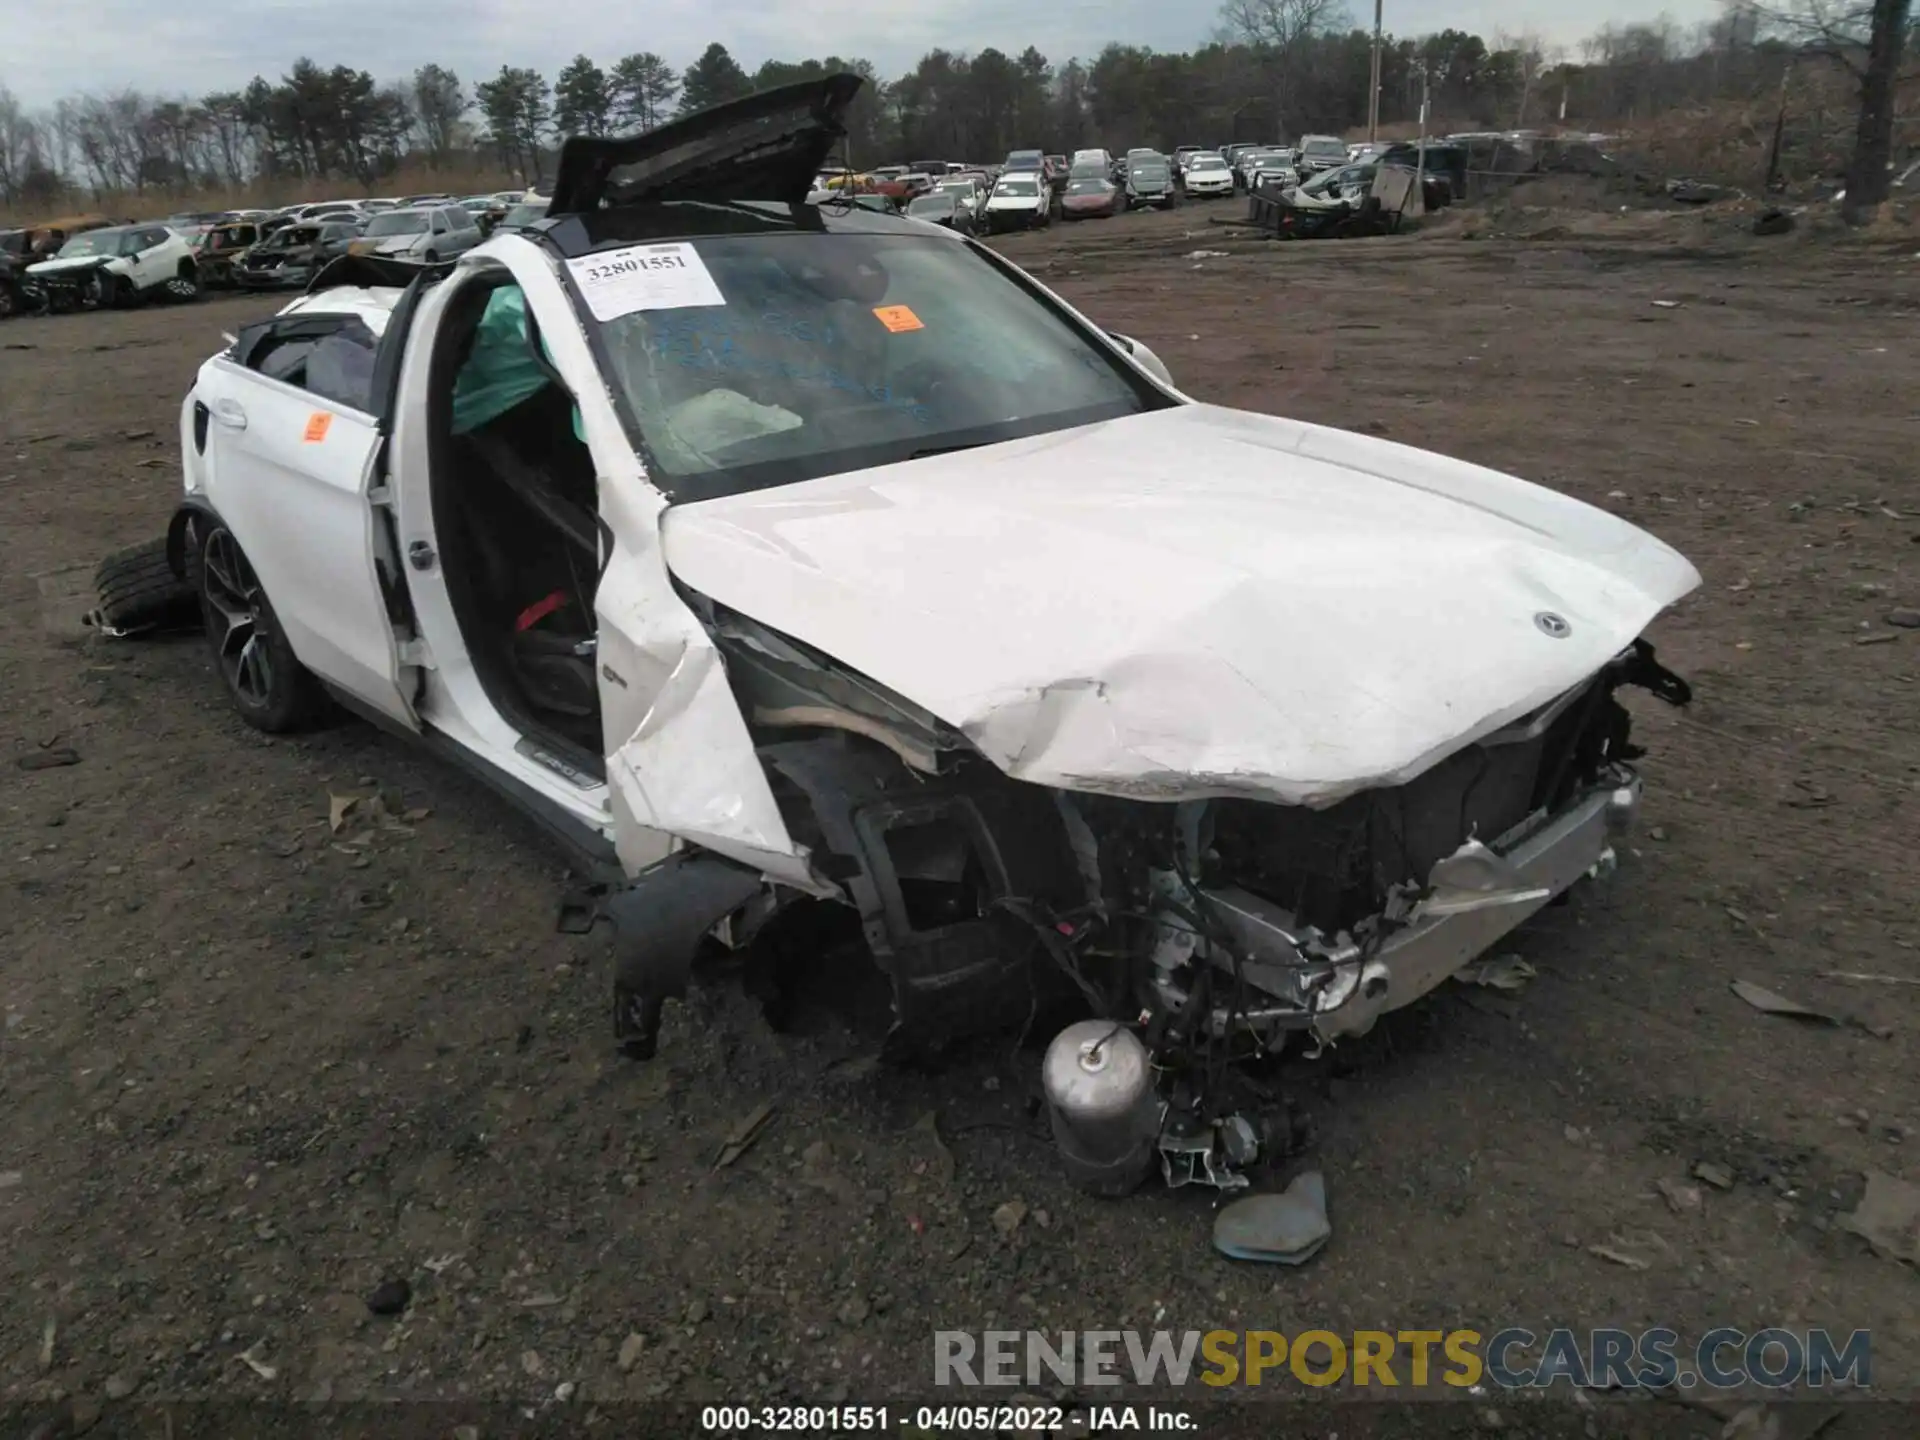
(741, 1139)
(1289, 1228)
(1888, 1217)
(1770, 1003)
(1501, 972)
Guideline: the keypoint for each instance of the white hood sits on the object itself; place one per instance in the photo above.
(71, 263)
(1196, 601)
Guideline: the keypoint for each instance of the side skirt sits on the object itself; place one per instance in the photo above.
(583, 847)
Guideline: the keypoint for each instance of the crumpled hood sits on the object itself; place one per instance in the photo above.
(1196, 601)
(395, 244)
(73, 265)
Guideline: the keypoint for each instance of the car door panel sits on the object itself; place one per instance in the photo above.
(290, 477)
(680, 762)
(150, 266)
(453, 700)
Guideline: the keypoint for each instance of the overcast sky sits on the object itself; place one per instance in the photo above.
(193, 46)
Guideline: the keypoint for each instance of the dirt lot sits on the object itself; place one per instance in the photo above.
(250, 1072)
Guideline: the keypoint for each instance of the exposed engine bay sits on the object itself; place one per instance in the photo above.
(1211, 931)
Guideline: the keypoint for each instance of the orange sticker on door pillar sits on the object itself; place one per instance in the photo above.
(317, 424)
(897, 318)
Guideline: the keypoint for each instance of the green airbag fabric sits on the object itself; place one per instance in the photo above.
(501, 370)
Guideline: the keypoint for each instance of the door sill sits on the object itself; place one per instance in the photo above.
(582, 845)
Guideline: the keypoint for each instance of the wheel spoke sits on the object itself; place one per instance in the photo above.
(255, 676)
(239, 634)
(218, 567)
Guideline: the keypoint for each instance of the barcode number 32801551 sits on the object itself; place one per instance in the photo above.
(634, 265)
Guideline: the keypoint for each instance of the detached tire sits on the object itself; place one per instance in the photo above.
(268, 685)
(138, 591)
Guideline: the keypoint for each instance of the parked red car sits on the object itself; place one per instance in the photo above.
(1088, 196)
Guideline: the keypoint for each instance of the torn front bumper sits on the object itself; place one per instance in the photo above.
(67, 285)
(1293, 978)
(1551, 859)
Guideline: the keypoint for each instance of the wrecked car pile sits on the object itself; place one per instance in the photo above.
(1228, 731)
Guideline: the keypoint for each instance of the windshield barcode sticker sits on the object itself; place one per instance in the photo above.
(644, 277)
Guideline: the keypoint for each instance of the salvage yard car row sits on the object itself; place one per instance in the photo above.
(90, 262)
(87, 262)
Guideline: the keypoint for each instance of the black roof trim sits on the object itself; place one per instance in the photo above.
(767, 146)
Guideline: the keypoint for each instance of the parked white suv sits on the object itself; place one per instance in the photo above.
(115, 266)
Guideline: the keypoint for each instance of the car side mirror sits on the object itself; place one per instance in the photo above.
(1144, 358)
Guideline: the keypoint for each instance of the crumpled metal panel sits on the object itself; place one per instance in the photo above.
(1196, 602)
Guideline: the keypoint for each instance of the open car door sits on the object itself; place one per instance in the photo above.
(680, 761)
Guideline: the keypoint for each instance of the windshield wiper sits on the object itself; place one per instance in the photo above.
(944, 449)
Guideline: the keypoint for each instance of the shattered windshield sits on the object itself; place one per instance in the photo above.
(399, 222)
(758, 360)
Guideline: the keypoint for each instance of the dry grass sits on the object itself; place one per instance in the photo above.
(158, 201)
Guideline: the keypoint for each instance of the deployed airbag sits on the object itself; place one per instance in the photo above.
(502, 369)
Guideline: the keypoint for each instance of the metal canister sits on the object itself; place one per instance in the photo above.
(1102, 1106)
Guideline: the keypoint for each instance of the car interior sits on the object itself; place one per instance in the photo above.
(515, 507)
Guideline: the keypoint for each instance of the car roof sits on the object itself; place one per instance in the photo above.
(373, 304)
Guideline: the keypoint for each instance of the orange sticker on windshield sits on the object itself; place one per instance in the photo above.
(897, 318)
(317, 424)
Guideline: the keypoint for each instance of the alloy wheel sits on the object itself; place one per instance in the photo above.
(239, 605)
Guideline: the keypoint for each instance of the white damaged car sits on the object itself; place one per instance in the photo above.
(118, 265)
(793, 560)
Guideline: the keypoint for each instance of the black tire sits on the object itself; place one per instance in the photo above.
(433, 257)
(185, 284)
(9, 300)
(139, 591)
(268, 685)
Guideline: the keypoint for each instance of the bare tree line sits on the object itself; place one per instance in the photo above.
(1278, 68)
